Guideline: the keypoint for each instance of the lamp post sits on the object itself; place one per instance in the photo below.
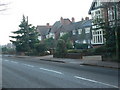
(116, 32)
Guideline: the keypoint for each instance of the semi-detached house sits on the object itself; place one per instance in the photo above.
(43, 31)
(96, 12)
(80, 31)
(105, 12)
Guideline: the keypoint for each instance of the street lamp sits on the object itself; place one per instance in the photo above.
(116, 32)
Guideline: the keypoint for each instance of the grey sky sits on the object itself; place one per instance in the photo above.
(39, 12)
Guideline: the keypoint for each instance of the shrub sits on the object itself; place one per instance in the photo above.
(74, 51)
(81, 46)
(69, 45)
(61, 50)
(41, 48)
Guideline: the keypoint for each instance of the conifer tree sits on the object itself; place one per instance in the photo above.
(26, 37)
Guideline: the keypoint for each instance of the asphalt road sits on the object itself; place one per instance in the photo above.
(34, 73)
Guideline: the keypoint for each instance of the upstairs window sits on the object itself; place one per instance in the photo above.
(87, 30)
(74, 32)
(79, 31)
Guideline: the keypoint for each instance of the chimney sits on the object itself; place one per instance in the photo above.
(86, 18)
(48, 25)
(62, 20)
(73, 19)
(82, 19)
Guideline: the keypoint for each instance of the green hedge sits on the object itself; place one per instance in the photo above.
(81, 46)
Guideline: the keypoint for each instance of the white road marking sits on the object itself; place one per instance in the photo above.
(51, 70)
(25, 64)
(14, 62)
(95, 81)
(28, 65)
(6, 60)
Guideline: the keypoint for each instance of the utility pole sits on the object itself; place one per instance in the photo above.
(116, 32)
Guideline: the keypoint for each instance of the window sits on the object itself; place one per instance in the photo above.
(84, 41)
(74, 32)
(62, 33)
(79, 31)
(47, 36)
(97, 37)
(40, 38)
(52, 35)
(87, 30)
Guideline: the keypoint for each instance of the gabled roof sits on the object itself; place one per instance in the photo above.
(76, 25)
(43, 30)
(68, 28)
(58, 25)
(79, 24)
(87, 23)
(93, 6)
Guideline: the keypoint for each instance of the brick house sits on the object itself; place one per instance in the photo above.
(110, 12)
(43, 31)
(96, 11)
(80, 32)
(103, 12)
(57, 27)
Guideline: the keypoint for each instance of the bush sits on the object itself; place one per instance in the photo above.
(69, 45)
(81, 46)
(74, 51)
(61, 50)
(100, 50)
(41, 48)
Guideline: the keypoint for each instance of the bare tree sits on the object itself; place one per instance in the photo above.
(3, 6)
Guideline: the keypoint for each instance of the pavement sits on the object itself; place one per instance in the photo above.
(99, 63)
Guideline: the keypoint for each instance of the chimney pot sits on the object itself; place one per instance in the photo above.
(73, 19)
(62, 20)
(86, 18)
(48, 25)
(82, 19)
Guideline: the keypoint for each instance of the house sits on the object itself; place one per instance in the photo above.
(97, 13)
(113, 12)
(43, 31)
(80, 32)
(103, 12)
(83, 32)
(57, 27)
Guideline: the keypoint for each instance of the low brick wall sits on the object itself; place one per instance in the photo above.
(74, 56)
(95, 57)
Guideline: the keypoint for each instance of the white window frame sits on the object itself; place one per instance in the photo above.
(62, 33)
(52, 35)
(40, 38)
(47, 36)
(87, 30)
(74, 32)
(79, 31)
(84, 41)
(97, 37)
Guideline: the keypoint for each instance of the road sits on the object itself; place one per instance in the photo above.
(31, 72)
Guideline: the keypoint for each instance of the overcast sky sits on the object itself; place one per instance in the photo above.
(39, 12)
